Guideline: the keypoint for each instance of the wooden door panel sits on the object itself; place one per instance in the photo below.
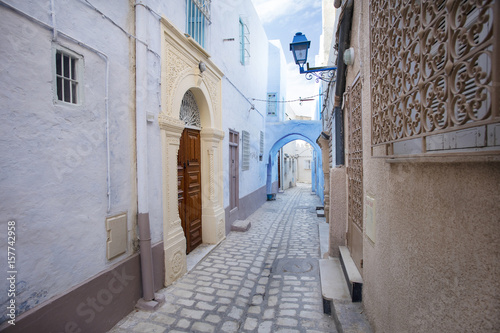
(190, 187)
(232, 175)
(180, 184)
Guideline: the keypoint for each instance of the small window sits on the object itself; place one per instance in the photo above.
(244, 42)
(271, 104)
(67, 77)
(198, 18)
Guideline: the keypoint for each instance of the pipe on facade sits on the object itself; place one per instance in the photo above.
(344, 44)
(146, 254)
(101, 54)
(53, 15)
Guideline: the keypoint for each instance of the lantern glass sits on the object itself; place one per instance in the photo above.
(299, 47)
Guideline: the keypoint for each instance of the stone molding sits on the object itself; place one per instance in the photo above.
(181, 57)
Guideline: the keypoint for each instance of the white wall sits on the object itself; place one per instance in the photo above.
(54, 165)
(304, 153)
(289, 165)
(250, 79)
(277, 78)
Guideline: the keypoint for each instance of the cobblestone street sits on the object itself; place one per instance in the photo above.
(262, 280)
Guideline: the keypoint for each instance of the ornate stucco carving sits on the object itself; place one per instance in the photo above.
(355, 154)
(212, 90)
(172, 126)
(177, 264)
(211, 174)
(221, 231)
(181, 74)
(431, 68)
(176, 66)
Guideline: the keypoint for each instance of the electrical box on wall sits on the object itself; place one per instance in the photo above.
(370, 222)
(116, 244)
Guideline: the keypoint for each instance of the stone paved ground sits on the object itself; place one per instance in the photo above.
(262, 280)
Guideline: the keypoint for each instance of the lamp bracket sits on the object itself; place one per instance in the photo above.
(326, 74)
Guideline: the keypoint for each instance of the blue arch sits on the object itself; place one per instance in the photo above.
(279, 134)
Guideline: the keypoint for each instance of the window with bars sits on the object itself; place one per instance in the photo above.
(244, 42)
(198, 18)
(245, 150)
(271, 104)
(68, 81)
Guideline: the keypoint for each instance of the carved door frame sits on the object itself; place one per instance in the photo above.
(180, 68)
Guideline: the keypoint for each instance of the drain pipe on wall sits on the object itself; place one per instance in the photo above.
(150, 301)
(344, 43)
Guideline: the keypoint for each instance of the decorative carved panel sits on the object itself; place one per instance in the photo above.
(177, 67)
(433, 67)
(355, 155)
(190, 114)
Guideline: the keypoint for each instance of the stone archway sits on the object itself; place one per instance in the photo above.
(181, 72)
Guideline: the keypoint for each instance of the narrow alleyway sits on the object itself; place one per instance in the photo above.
(262, 280)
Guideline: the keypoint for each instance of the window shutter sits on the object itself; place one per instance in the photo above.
(245, 138)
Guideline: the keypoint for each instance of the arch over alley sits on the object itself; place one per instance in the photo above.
(278, 135)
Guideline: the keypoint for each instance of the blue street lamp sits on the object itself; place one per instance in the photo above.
(299, 47)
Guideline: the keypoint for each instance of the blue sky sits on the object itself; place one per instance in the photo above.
(281, 20)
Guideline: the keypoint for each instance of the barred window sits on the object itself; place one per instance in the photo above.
(67, 76)
(271, 104)
(198, 18)
(434, 78)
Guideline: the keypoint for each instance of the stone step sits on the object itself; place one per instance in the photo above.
(333, 286)
(352, 275)
(241, 225)
(348, 316)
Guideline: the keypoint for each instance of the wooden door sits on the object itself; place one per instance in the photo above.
(233, 170)
(189, 187)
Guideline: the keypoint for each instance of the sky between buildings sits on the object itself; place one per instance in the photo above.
(281, 20)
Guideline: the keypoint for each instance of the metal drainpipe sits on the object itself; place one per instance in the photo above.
(344, 43)
(142, 154)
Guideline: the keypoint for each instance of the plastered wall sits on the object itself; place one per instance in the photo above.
(54, 166)
(435, 261)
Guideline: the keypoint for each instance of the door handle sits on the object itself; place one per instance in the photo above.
(184, 165)
(188, 162)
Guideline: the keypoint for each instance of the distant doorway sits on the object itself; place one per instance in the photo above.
(279, 170)
(189, 187)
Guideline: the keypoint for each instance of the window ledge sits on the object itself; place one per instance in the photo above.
(490, 156)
